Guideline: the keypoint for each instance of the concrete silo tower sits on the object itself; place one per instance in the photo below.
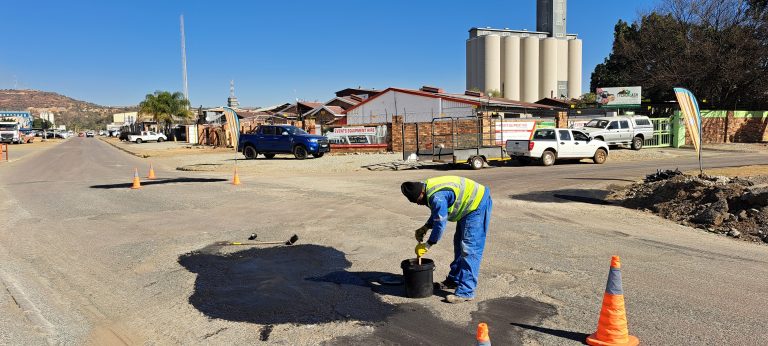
(527, 65)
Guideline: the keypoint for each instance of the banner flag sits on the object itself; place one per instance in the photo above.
(233, 126)
(692, 116)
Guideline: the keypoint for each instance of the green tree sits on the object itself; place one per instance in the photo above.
(165, 107)
(716, 48)
(587, 100)
(41, 124)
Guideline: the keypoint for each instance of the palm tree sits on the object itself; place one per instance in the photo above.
(165, 107)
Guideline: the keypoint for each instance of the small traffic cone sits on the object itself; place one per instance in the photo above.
(151, 172)
(236, 178)
(136, 182)
(612, 324)
(482, 335)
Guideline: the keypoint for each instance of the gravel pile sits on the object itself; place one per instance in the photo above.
(737, 207)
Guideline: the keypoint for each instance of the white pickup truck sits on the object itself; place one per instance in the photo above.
(549, 145)
(147, 136)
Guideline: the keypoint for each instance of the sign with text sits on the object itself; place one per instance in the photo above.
(355, 131)
(514, 130)
(621, 96)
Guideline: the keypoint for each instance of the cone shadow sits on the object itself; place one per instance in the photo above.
(159, 182)
(575, 336)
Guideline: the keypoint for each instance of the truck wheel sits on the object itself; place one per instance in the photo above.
(269, 155)
(637, 143)
(138, 140)
(318, 155)
(300, 152)
(476, 162)
(250, 152)
(548, 158)
(160, 139)
(600, 156)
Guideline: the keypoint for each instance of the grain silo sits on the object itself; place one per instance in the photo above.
(527, 65)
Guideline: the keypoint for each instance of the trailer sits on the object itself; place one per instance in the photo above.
(469, 140)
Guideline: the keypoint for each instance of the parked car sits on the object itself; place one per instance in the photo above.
(53, 134)
(90, 134)
(269, 140)
(549, 145)
(81, 134)
(621, 130)
(147, 136)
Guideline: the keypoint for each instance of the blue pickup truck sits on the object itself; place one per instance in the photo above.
(269, 140)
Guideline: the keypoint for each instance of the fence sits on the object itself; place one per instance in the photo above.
(662, 134)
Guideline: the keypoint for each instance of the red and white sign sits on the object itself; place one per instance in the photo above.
(355, 131)
(512, 130)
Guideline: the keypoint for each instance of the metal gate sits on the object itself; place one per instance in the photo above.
(662, 134)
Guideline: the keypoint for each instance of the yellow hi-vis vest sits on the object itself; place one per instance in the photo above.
(468, 194)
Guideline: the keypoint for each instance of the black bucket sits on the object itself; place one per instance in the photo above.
(418, 278)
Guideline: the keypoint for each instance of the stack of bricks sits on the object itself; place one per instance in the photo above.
(461, 132)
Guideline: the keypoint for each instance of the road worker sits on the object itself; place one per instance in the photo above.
(460, 200)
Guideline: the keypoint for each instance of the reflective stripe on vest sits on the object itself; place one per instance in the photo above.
(468, 194)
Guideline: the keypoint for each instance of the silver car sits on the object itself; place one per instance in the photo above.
(621, 130)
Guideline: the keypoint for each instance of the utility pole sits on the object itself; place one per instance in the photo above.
(184, 60)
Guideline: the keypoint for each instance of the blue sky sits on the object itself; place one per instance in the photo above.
(115, 52)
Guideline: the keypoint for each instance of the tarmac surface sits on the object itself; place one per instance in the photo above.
(88, 260)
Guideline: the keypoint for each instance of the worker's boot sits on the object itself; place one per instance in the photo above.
(446, 284)
(454, 299)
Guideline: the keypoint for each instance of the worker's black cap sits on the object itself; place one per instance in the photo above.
(412, 190)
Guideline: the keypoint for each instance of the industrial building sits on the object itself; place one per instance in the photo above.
(527, 65)
(428, 103)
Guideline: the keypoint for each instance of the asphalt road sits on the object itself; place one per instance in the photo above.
(88, 260)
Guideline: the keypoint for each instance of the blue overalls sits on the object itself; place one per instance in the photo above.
(468, 241)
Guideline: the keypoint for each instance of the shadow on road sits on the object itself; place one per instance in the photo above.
(309, 284)
(602, 179)
(575, 336)
(159, 182)
(364, 279)
(589, 196)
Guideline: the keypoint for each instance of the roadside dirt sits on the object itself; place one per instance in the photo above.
(735, 206)
(743, 171)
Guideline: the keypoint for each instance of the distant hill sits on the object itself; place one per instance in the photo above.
(67, 111)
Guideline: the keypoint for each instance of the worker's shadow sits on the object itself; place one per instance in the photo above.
(300, 284)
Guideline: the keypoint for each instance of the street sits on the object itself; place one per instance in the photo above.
(88, 260)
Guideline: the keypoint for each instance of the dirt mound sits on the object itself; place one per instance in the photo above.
(737, 207)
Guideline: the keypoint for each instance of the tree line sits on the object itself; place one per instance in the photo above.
(718, 49)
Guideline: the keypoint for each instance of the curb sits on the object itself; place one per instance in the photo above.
(124, 150)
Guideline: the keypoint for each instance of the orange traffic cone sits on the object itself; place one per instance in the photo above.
(151, 172)
(612, 325)
(136, 182)
(236, 178)
(482, 335)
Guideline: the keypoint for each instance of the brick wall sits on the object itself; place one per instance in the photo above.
(732, 127)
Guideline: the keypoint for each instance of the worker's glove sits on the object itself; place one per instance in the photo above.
(421, 232)
(421, 249)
